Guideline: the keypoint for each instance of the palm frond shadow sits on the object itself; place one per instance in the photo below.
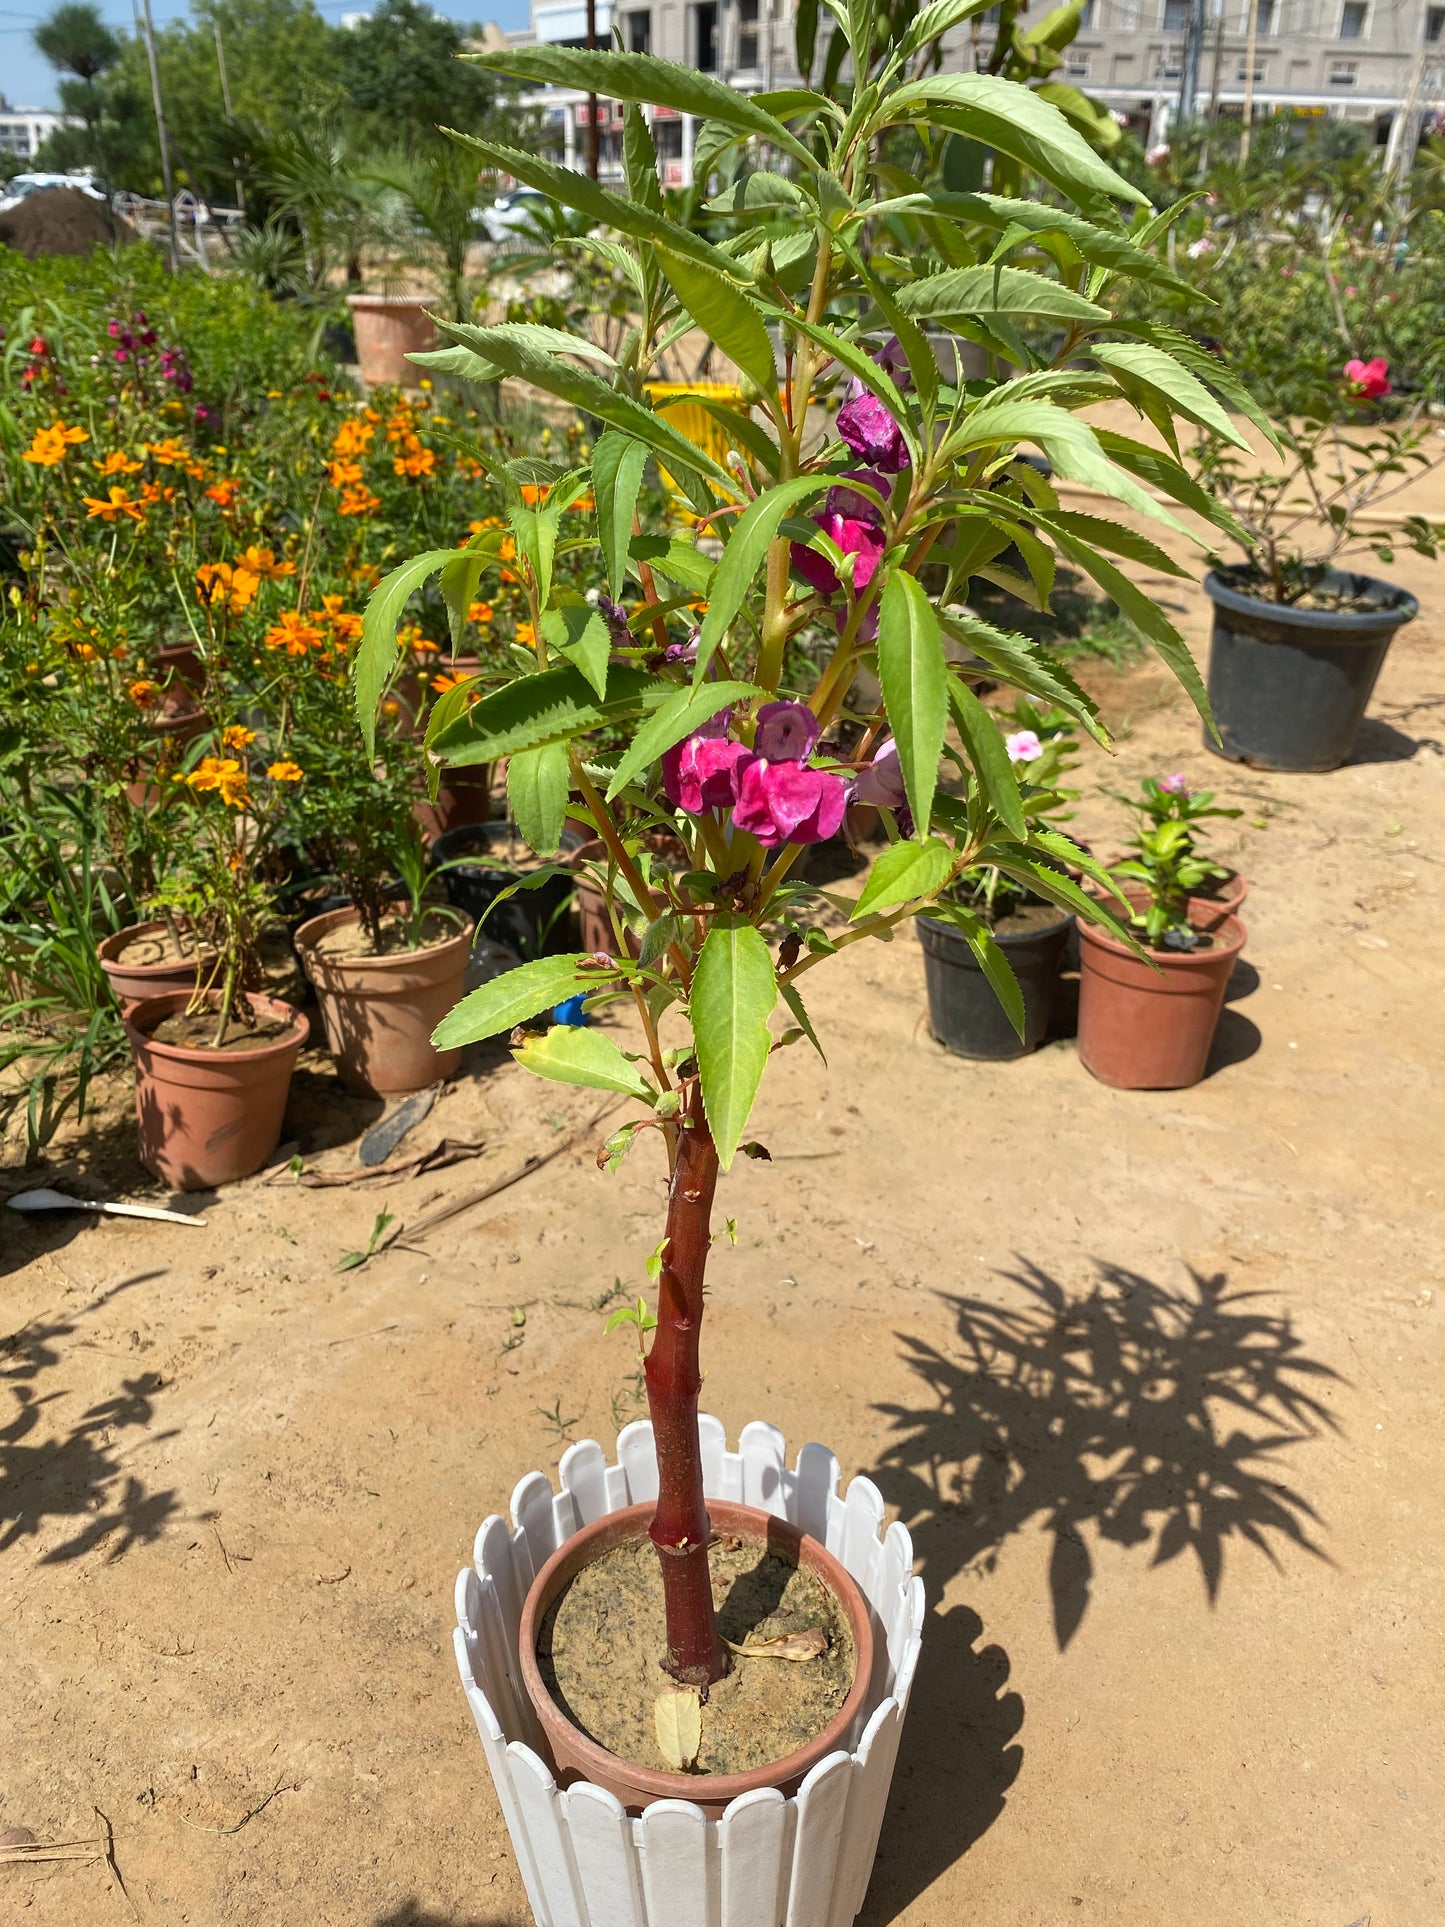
(1134, 1412)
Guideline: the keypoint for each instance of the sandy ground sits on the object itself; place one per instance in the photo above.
(1154, 1378)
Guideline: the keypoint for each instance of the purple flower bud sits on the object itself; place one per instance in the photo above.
(871, 432)
(615, 616)
(786, 732)
(683, 651)
(882, 782)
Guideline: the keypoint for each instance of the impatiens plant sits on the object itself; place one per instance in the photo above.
(833, 560)
(1167, 859)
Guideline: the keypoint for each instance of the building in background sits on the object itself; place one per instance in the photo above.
(22, 129)
(1361, 60)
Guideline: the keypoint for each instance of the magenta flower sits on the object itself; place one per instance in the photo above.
(1370, 379)
(1176, 785)
(882, 782)
(1023, 746)
(704, 772)
(786, 732)
(789, 803)
(862, 540)
(871, 432)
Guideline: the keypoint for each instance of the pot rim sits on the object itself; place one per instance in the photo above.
(380, 966)
(167, 1001)
(382, 302)
(127, 934)
(1229, 939)
(1009, 937)
(1365, 624)
(717, 1789)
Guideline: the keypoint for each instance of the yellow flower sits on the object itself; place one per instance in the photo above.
(293, 633)
(170, 453)
(218, 582)
(224, 775)
(117, 462)
(417, 461)
(237, 737)
(526, 635)
(49, 444)
(359, 501)
(343, 474)
(143, 694)
(109, 511)
(262, 562)
(352, 438)
(285, 772)
(223, 493)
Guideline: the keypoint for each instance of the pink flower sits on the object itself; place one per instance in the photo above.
(1352, 291)
(871, 432)
(703, 773)
(1023, 746)
(1176, 785)
(882, 782)
(786, 732)
(789, 803)
(862, 540)
(1371, 379)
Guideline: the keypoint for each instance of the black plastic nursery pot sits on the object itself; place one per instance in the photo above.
(533, 922)
(1288, 685)
(963, 1012)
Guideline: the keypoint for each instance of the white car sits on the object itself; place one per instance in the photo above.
(508, 214)
(24, 185)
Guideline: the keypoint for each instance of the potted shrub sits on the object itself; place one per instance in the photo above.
(213, 1062)
(1147, 1022)
(1215, 891)
(1299, 638)
(626, 723)
(970, 1011)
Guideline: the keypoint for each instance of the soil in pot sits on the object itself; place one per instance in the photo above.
(599, 1646)
(144, 960)
(349, 940)
(198, 1032)
(964, 1012)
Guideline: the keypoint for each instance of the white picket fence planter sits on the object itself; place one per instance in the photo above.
(769, 1861)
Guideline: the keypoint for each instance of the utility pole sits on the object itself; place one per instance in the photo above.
(148, 34)
(226, 103)
(1218, 62)
(1189, 66)
(1251, 46)
(1405, 132)
(592, 143)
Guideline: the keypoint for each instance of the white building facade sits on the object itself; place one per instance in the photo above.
(22, 129)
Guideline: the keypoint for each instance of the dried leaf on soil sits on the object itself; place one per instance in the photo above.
(809, 1645)
(677, 1716)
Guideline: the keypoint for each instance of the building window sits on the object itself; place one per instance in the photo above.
(1175, 18)
(1243, 74)
(1352, 19)
(1088, 15)
(704, 37)
(1344, 73)
(1078, 66)
(1264, 18)
(639, 33)
(1434, 25)
(747, 35)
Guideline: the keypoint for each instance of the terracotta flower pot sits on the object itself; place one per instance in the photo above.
(132, 983)
(380, 1012)
(1205, 912)
(464, 799)
(576, 1757)
(1142, 1029)
(208, 1117)
(388, 328)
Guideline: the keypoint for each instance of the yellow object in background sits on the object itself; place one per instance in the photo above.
(688, 416)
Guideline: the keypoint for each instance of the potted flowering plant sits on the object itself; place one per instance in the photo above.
(1299, 636)
(626, 723)
(1147, 1022)
(1006, 1014)
(214, 1062)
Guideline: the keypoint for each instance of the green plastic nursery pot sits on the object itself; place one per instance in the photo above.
(1147, 1029)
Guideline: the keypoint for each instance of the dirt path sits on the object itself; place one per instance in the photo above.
(1155, 1378)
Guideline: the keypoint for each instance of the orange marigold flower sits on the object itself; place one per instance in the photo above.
(118, 504)
(441, 684)
(359, 501)
(218, 582)
(143, 694)
(479, 612)
(353, 438)
(197, 471)
(48, 446)
(117, 462)
(533, 493)
(343, 474)
(170, 453)
(225, 776)
(224, 492)
(236, 736)
(416, 462)
(153, 492)
(293, 633)
(262, 562)
(526, 635)
(470, 467)
(285, 772)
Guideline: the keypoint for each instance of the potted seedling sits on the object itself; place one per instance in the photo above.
(214, 1062)
(973, 1010)
(1216, 891)
(1147, 1022)
(1300, 637)
(732, 742)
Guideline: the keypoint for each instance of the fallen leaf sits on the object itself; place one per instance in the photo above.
(808, 1645)
(677, 1717)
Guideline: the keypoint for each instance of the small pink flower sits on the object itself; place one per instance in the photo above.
(1371, 379)
(882, 782)
(1023, 746)
(862, 540)
(703, 773)
(786, 732)
(1352, 291)
(789, 803)
(1176, 785)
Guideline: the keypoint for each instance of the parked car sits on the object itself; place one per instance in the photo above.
(24, 185)
(509, 213)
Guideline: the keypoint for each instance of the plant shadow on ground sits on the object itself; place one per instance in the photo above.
(412, 1914)
(75, 1473)
(1153, 1417)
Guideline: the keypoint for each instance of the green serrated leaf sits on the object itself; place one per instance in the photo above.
(512, 998)
(538, 784)
(617, 464)
(575, 630)
(733, 992)
(684, 712)
(747, 546)
(914, 676)
(376, 653)
(902, 872)
(988, 756)
(575, 1054)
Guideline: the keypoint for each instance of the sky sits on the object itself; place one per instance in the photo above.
(28, 81)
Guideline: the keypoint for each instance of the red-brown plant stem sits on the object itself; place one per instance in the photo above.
(680, 1528)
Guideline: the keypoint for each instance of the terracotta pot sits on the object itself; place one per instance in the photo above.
(594, 924)
(388, 328)
(380, 1012)
(1142, 1029)
(182, 669)
(209, 1117)
(1205, 912)
(576, 1757)
(464, 799)
(131, 983)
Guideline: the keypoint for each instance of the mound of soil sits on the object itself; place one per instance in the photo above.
(62, 220)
